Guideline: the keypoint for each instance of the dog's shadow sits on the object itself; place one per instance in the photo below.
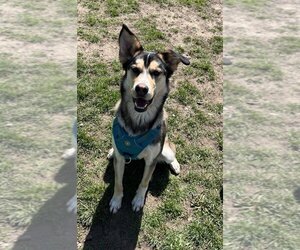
(53, 227)
(121, 230)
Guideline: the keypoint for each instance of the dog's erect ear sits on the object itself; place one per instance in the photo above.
(172, 59)
(129, 45)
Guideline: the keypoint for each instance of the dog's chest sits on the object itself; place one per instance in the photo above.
(131, 146)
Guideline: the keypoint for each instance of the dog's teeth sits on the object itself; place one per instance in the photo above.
(140, 106)
(140, 103)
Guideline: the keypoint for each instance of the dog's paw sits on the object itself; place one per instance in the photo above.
(175, 167)
(115, 204)
(72, 204)
(69, 154)
(110, 154)
(138, 202)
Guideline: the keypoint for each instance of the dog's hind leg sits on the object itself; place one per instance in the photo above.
(116, 201)
(168, 156)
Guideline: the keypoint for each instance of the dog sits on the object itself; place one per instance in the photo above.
(139, 127)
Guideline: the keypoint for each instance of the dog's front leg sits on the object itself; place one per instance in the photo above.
(139, 199)
(116, 201)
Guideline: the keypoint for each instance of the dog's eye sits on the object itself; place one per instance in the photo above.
(156, 73)
(136, 70)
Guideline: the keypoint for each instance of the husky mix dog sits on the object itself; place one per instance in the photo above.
(139, 128)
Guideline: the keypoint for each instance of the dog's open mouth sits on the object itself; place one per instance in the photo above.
(141, 104)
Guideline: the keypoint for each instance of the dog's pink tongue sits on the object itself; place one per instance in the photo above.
(141, 102)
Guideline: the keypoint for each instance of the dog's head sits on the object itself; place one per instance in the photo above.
(147, 73)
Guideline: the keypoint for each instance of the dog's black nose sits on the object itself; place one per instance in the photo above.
(141, 89)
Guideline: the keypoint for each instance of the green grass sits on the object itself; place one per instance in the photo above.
(247, 3)
(217, 44)
(202, 69)
(49, 94)
(200, 7)
(25, 36)
(32, 5)
(20, 213)
(237, 92)
(261, 139)
(149, 30)
(67, 7)
(294, 140)
(293, 107)
(115, 8)
(29, 20)
(37, 106)
(198, 4)
(257, 67)
(250, 48)
(263, 67)
(185, 91)
(88, 36)
(181, 212)
(202, 51)
(152, 36)
(288, 44)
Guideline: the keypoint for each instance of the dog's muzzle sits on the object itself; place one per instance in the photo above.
(141, 90)
(141, 104)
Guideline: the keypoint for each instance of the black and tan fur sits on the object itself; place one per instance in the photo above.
(144, 89)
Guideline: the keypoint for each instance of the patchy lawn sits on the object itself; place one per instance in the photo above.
(37, 106)
(181, 212)
(261, 125)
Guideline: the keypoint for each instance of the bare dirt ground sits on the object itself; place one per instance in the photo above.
(261, 132)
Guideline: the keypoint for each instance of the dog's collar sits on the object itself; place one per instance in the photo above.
(131, 146)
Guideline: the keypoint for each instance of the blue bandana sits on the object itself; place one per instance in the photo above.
(131, 146)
